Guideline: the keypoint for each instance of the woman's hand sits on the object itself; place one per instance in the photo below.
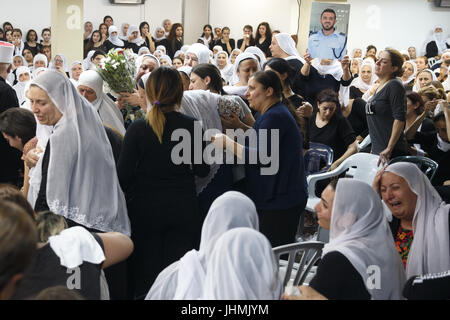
(305, 110)
(385, 156)
(219, 140)
(345, 62)
(307, 293)
(376, 185)
(231, 122)
(308, 58)
(133, 99)
(32, 158)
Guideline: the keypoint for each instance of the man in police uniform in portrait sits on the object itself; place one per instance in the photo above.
(327, 43)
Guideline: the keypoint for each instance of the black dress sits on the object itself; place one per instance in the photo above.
(224, 45)
(134, 46)
(265, 47)
(161, 199)
(171, 47)
(35, 50)
(337, 279)
(11, 162)
(239, 44)
(108, 45)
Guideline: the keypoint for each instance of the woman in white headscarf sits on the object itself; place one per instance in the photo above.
(184, 279)
(18, 61)
(165, 60)
(435, 43)
(409, 74)
(234, 54)
(123, 31)
(75, 177)
(159, 35)
(242, 266)
(24, 77)
(106, 108)
(196, 54)
(364, 81)
(113, 40)
(245, 65)
(259, 54)
(283, 46)
(226, 69)
(423, 79)
(134, 39)
(76, 69)
(419, 218)
(60, 63)
(360, 260)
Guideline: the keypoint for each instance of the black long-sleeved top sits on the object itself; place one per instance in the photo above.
(337, 279)
(315, 82)
(146, 164)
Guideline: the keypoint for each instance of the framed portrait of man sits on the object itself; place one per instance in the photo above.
(328, 30)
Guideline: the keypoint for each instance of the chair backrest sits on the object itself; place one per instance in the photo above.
(426, 165)
(363, 167)
(301, 258)
(317, 154)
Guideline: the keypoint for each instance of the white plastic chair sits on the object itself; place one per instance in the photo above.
(297, 270)
(360, 166)
(364, 143)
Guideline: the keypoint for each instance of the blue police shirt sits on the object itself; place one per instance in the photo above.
(327, 47)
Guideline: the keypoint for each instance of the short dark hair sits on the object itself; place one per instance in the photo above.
(17, 30)
(416, 98)
(328, 10)
(106, 17)
(328, 95)
(204, 70)
(9, 192)
(18, 238)
(18, 122)
(269, 79)
(6, 23)
(282, 66)
(98, 53)
(28, 35)
(397, 60)
(45, 29)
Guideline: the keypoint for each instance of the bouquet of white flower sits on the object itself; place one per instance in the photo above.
(117, 69)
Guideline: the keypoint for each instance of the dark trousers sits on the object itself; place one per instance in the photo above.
(280, 226)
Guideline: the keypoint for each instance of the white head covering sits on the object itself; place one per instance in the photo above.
(360, 231)
(439, 38)
(185, 48)
(140, 59)
(87, 64)
(65, 67)
(40, 57)
(287, 44)
(202, 105)
(138, 41)
(166, 57)
(358, 82)
(232, 52)
(413, 75)
(24, 62)
(7, 52)
(258, 52)
(429, 252)
(155, 35)
(353, 53)
(21, 85)
(82, 184)
(446, 83)
(143, 50)
(115, 40)
(186, 70)
(122, 35)
(417, 87)
(184, 279)
(107, 109)
(201, 51)
(242, 57)
(73, 65)
(227, 71)
(242, 267)
(334, 69)
(162, 49)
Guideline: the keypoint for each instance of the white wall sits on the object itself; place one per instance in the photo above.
(235, 14)
(398, 23)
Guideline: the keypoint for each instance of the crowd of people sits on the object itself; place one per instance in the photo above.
(182, 188)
